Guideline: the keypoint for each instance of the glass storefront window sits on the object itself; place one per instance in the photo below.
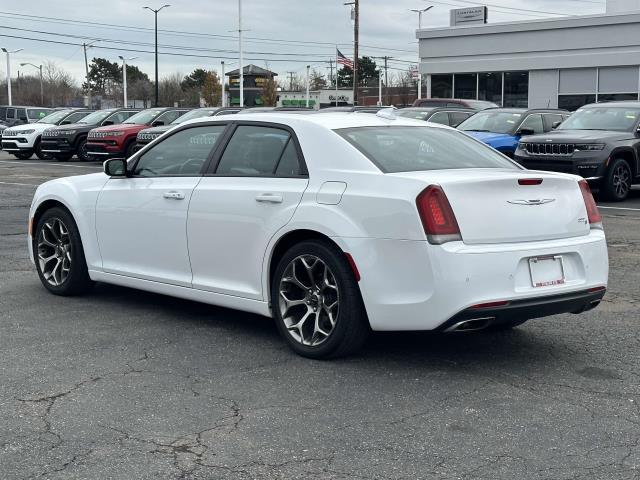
(516, 89)
(465, 86)
(574, 102)
(441, 86)
(616, 97)
(490, 87)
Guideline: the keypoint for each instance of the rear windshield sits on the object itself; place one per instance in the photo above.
(411, 149)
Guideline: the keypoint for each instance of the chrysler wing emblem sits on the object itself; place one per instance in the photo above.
(539, 201)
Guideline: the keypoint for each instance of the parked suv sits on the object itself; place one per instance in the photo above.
(120, 140)
(444, 116)
(65, 141)
(149, 134)
(501, 128)
(25, 140)
(600, 142)
(19, 115)
(453, 103)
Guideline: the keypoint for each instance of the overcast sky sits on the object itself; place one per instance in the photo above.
(276, 36)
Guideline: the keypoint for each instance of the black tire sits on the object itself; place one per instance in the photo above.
(81, 151)
(39, 153)
(23, 155)
(130, 149)
(77, 280)
(351, 326)
(616, 184)
(63, 157)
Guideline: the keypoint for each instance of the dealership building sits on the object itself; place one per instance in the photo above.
(563, 62)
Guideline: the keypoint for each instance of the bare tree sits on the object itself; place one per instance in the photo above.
(170, 90)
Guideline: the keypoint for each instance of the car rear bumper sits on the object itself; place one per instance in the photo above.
(412, 285)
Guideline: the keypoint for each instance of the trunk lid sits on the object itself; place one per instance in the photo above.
(492, 207)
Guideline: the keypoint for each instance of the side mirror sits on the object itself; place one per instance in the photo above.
(115, 167)
(555, 125)
(107, 122)
(157, 123)
(523, 132)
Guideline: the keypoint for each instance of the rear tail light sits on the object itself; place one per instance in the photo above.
(437, 216)
(529, 181)
(593, 214)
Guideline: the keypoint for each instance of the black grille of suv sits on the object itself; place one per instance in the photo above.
(549, 148)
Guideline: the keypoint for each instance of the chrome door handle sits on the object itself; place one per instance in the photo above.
(173, 195)
(269, 198)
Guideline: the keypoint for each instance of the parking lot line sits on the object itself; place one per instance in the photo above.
(621, 208)
(31, 164)
(21, 184)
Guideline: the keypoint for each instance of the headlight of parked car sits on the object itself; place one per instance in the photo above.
(19, 132)
(589, 147)
(67, 132)
(115, 134)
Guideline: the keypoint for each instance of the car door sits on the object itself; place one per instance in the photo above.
(250, 193)
(141, 221)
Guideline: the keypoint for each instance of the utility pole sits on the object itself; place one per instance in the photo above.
(291, 74)
(39, 67)
(356, 34)
(9, 52)
(308, 67)
(386, 80)
(155, 11)
(331, 70)
(86, 69)
(240, 53)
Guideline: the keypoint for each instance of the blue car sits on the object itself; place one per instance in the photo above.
(501, 128)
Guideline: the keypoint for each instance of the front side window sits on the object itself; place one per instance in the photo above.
(253, 151)
(409, 149)
(456, 118)
(120, 117)
(182, 154)
(74, 117)
(441, 117)
(168, 117)
(494, 122)
(533, 122)
(615, 118)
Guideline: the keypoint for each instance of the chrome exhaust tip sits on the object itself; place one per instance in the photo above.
(471, 325)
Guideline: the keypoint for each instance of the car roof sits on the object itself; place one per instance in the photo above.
(437, 109)
(622, 104)
(526, 110)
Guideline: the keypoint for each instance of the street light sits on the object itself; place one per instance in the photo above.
(86, 69)
(155, 11)
(9, 52)
(379, 87)
(240, 53)
(39, 67)
(124, 76)
(420, 11)
(308, 67)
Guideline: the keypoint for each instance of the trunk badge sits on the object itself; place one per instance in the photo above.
(539, 201)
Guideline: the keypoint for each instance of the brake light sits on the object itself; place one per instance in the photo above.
(438, 219)
(501, 303)
(595, 220)
(529, 181)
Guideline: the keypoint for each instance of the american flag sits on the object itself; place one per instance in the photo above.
(343, 60)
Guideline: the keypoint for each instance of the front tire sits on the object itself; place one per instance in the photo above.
(130, 150)
(617, 182)
(59, 255)
(82, 153)
(23, 155)
(317, 303)
(39, 153)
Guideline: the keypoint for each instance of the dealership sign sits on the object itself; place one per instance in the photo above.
(469, 16)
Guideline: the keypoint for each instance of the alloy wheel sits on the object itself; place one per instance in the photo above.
(54, 251)
(309, 300)
(621, 180)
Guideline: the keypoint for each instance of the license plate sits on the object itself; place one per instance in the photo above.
(546, 271)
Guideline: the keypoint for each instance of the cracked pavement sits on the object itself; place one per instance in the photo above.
(123, 384)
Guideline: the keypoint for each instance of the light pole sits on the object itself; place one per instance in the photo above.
(9, 52)
(379, 87)
(222, 94)
(308, 67)
(155, 11)
(420, 11)
(39, 67)
(356, 36)
(86, 69)
(124, 76)
(240, 53)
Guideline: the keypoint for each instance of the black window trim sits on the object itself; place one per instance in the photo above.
(223, 137)
(211, 171)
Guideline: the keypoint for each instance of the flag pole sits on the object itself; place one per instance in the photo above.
(336, 75)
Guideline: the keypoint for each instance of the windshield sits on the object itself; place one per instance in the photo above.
(411, 149)
(494, 122)
(38, 113)
(615, 118)
(55, 117)
(417, 114)
(144, 117)
(199, 113)
(96, 117)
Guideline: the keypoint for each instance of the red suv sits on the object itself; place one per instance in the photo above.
(454, 102)
(120, 140)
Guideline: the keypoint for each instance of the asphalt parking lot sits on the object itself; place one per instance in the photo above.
(122, 384)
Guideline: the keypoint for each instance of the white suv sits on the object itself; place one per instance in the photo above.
(24, 140)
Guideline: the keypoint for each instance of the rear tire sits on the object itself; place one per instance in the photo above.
(59, 254)
(617, 182)
(23, 155)
(316, 302)
(63, 157)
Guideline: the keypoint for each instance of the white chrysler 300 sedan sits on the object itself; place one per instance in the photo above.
(331, 224)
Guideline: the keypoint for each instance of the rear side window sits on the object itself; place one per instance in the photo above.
(410, 149)
(11, 113)
(440, 117)
(456, 118)
(255, 151)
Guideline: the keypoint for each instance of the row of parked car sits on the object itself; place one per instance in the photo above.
(600, 142)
